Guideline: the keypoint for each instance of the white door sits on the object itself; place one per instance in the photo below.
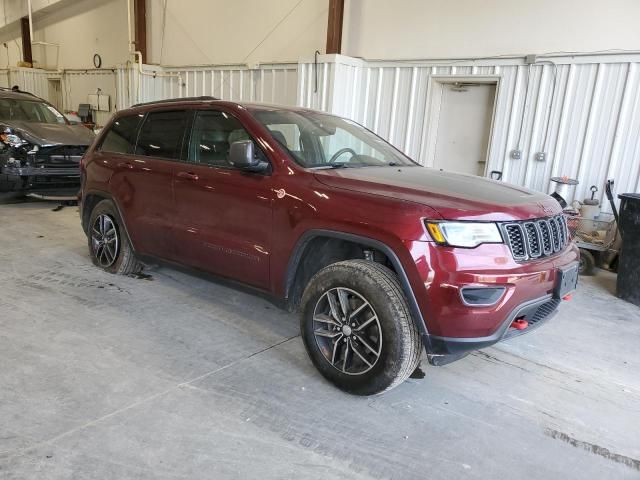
(464, 127)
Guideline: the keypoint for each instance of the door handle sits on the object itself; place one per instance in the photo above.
(188, 175)
(125, 165)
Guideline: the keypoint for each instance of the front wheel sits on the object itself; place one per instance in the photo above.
(357, 328)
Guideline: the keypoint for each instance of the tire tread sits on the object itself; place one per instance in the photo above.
(387, 280)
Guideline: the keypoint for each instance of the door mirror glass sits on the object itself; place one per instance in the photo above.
(242, 155)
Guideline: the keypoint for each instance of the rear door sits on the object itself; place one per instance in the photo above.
(142, 182)
(223, 215)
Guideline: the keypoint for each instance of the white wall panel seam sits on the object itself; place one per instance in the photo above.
(412, 95)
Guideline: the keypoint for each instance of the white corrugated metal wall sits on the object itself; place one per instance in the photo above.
(270, 83)
(32, 80)
(581, 111)
(4, 78)
(78, 84)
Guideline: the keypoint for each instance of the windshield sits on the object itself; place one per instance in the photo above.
(29, 111)
(316, 140)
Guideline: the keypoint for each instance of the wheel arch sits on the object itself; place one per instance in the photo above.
(292, 279)
(90, 200)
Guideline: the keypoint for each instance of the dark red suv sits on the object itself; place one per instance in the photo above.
(381, 255)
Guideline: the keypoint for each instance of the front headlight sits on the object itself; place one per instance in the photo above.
(464, 234)
(13, 139)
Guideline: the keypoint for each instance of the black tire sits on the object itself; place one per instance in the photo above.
(124, 260)
(398, 344)
(587, 263)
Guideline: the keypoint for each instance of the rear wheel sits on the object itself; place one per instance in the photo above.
(109, 245)
(357, 328)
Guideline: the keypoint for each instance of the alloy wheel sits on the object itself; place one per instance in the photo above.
(347, 331)
(104, 240)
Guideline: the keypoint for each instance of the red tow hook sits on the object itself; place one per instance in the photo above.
(520, 324)
(568, 297)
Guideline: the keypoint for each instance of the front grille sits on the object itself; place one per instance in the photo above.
(536, 238)
(59, 156)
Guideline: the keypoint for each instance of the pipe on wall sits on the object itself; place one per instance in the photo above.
(138, 58)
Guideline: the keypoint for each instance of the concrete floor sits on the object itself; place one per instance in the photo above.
(111, 377)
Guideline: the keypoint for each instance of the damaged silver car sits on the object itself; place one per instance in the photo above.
(40, 150)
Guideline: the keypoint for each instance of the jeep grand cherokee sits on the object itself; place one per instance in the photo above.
(382, 256)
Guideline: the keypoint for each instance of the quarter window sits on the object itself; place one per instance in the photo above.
(161, 134)
(121, 137)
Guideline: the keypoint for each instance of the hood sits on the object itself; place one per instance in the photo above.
(53, 133)
(452, 195)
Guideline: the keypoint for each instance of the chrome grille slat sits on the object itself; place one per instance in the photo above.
(555, 234)
(516, 240)
(533, 239)
(543, 226)
(562, 229)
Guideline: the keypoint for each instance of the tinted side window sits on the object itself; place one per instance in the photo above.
(121, 137)
(212, 134)
(161, 134)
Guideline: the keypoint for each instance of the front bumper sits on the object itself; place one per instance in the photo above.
(444, 350)
(48, 182)
(72, 171)
(454, 328)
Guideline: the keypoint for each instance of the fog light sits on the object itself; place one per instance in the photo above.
(481, 296)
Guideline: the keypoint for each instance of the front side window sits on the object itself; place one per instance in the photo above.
(121, 137)
(161, 134)
(316, 140)
(212, 134)
(29, 111)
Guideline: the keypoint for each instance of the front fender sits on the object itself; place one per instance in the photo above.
(398, 265)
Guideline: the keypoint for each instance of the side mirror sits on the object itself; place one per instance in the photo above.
(242, 155)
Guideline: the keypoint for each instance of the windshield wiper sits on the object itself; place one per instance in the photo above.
(330, 166)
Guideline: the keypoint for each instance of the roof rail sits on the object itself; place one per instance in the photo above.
(171, 100)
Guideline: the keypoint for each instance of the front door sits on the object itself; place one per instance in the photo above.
(223, 215)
